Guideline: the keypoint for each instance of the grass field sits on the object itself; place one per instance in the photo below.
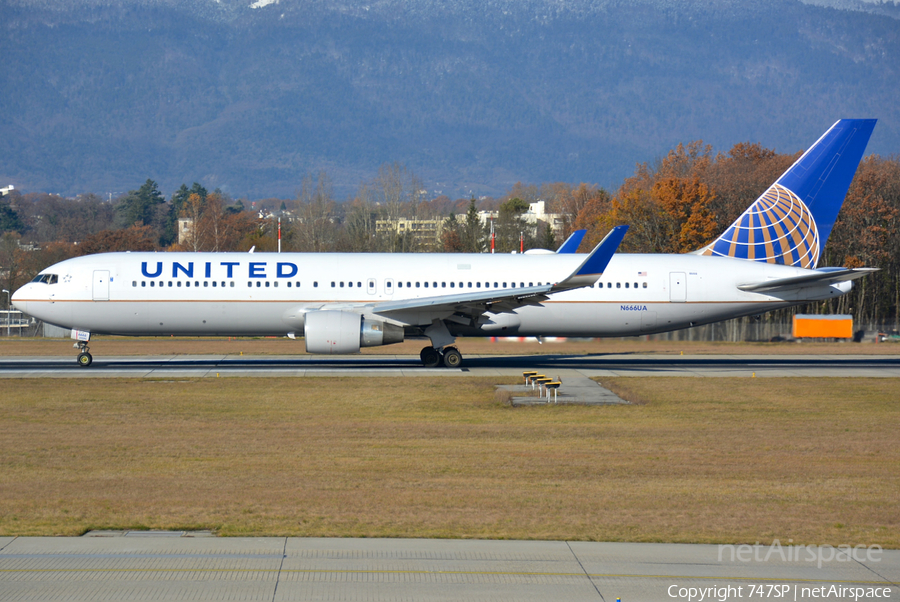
(693, 460)
(110, 346)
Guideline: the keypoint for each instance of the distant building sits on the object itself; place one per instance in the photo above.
(185, 228)
(426, 232)
(536, 213)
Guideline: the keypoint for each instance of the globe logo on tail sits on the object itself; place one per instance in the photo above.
(777, 228)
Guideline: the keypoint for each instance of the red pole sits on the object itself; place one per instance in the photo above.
(493, 236)
(521, 242)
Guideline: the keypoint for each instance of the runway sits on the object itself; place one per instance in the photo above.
(136, 566)
(592, 366)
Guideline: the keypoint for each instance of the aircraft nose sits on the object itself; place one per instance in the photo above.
(18, 302)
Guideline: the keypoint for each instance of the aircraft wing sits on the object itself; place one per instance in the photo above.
(818, 277)
(472, 305)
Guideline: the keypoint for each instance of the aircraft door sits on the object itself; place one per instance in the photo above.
(677, 287)
(371, 287)
(389, 287)
(101, 285)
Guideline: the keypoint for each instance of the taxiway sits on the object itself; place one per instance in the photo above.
(592, 366)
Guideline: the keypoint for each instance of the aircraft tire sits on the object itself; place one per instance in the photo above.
(85, 359)
(430, 357)
(452, 358)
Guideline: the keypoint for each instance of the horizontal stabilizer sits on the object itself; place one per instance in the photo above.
(816, 278)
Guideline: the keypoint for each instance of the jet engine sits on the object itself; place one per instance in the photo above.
(337, 332)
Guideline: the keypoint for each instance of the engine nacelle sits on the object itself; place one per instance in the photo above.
(337, 332)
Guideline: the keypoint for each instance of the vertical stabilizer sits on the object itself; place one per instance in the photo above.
(790, 223)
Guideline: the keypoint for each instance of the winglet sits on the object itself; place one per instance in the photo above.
(572, 243)
(592, 268)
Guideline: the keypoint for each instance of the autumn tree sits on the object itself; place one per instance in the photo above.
(473, 234)
(866, 234)
(133, 238)
(144, 206)
(13, 260)
(315, 230)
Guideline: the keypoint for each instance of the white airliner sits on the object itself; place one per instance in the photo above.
(341, 302)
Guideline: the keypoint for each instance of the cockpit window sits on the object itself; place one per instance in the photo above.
(46, 278)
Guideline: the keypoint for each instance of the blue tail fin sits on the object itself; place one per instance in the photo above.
(790, 223)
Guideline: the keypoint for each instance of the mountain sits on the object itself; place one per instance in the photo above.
(472, 96)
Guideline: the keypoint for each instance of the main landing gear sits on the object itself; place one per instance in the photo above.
(84, 357)
(449, 356)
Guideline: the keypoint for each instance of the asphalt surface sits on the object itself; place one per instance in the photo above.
(136, 566)
(594, 365)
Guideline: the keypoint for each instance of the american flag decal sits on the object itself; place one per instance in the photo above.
(642, 273)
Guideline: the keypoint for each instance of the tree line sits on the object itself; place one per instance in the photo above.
(676, 204)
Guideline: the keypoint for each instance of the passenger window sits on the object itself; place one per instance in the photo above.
(452, 285)
(359, 284)
(134, 283)
(417, 285)
(267, 284)
(635, 285)
(426, 285)
(205, 284)
(470, 285)
(214, 284)
(399, 284)
(626, 285)
(531, 284)
(342, 284)
(477, 285)
(443, 285)
(143, 283)
(152, 283)
(232, 284)
(289, 285)
(645, 285)
(332, 284)
(618, 285)
(178, 284)
(276, 284)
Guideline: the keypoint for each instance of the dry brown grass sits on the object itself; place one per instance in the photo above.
(113, 346)
(701, 460)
